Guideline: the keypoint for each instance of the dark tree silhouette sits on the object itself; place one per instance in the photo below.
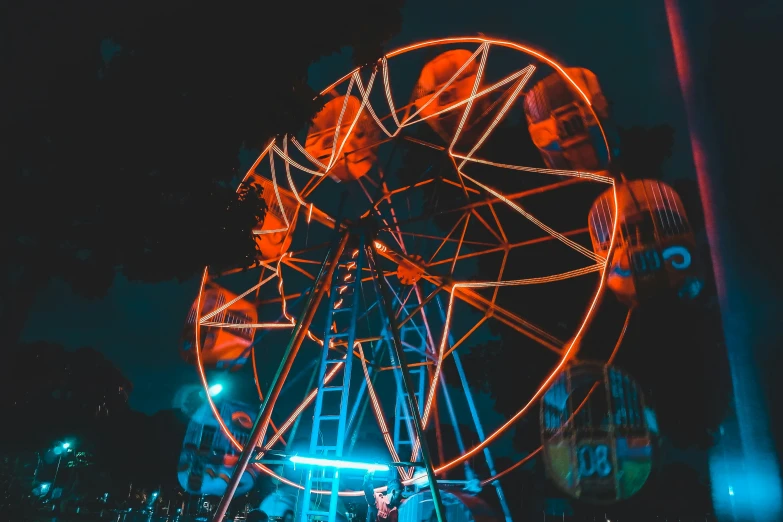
(50, 395)
(143, 449)
(644, 150)
(126, 120)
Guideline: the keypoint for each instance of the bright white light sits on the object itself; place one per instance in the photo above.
(420, 479)
(215, 389)
(332, 463)
(66, 445)
(731, 491)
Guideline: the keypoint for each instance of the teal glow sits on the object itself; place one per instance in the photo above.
(343, 464)
(744, 488)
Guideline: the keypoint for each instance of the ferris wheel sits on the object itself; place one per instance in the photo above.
(398, 230)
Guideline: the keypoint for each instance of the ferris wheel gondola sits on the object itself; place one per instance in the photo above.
(571, 131)
(656, 247)
(228, 331)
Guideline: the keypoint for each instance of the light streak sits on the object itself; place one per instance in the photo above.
(378, 410)
(335, 463)
(476, 83)
(571, 173)
(340, 120)
(226, 305)
(364, 103)
(522, 82)
(277, 192)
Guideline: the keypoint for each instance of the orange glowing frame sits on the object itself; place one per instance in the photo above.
(459, 290)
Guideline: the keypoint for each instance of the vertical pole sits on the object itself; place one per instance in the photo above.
(744, 465)
(56, 471)
(469, 474)
(300, 333)
(436, 418)
(37, 467)
(480, 433)
(406, 380)
(430, 342)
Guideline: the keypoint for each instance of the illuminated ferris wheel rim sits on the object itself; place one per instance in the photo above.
(568, 352)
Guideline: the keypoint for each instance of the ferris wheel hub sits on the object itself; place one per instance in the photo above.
(408, 273)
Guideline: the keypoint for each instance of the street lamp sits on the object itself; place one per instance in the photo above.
(65, 446)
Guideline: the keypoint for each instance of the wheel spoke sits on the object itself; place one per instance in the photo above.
(478, 204)
(486, 225)
(497, 222)
(459, 245)
(477, 301)
(565, 240)
(512, 246)
(466, 336)
(299, 269)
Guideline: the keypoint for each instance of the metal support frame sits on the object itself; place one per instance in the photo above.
(403, 341)
(343, 301)
(298, 336)
(476, 420)
(399, 352)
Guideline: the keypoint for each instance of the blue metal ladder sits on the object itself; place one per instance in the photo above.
(331, 403)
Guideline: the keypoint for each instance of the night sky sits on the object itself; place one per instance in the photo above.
(138, 326)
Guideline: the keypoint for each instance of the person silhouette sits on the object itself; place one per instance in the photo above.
(382, 507)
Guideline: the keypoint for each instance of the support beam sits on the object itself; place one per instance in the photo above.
(396, 345)
(300, 333)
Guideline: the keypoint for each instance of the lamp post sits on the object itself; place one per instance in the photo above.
(37, 467)
(66, 447)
